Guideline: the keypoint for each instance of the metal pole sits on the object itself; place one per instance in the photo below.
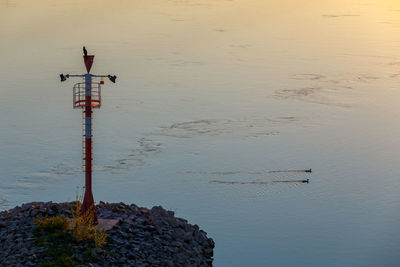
(88, 202)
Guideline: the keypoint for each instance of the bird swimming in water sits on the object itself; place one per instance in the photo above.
(84, 52)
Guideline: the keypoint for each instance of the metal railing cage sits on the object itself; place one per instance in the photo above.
(79, 95)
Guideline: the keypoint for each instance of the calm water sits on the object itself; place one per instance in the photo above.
(213, 99)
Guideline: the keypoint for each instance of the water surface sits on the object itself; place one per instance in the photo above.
(215, 101)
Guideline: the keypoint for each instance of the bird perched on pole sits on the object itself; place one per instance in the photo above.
(84, 52)
(112, 78)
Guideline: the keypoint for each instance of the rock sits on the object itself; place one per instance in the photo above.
(142, 237)
(99, 251)
(187, 236)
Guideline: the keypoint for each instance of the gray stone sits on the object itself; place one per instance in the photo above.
(142, 237)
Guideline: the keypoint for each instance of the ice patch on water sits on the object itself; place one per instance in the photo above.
(61, 169)
(178, 19)
(340, 15)
(65, 169)
(286, 93)
(308, 76)
(240, 45)
(153, 143)
(333, 91)
(395, 75)
(317, 95)
(395, 63)
(245, 127)
(137, 157)
(367, 78)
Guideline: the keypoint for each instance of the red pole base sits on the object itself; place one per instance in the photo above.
(88, 203)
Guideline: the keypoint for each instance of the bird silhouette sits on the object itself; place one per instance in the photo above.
(84, 52)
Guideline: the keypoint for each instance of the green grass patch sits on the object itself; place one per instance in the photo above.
(60, 236)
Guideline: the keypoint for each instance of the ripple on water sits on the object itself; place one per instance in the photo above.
(153, 143)
(251, 183)
(331, 91)
(308, 76)
(317, 95)
(148, 146)
(242, 128)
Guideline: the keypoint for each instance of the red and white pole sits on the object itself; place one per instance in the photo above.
(91, 101)
(88, 201)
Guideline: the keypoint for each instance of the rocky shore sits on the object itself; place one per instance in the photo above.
(140, 237)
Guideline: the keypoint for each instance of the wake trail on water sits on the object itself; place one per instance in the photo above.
(289, 177)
